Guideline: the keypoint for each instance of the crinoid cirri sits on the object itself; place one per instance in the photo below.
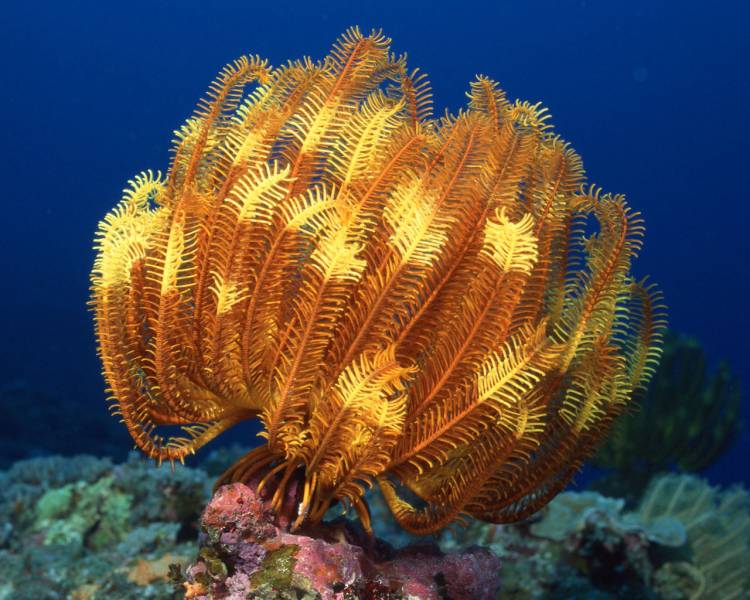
(439, 305)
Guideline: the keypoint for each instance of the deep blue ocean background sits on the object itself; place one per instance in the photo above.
(654, 95)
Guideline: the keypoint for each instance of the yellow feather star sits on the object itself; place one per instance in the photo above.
(405, 300)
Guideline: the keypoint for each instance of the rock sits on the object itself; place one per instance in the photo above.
(465, 576)
(245, 555)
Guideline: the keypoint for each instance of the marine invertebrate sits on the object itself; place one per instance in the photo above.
(717, 523)
(431, 303)
(687, 419)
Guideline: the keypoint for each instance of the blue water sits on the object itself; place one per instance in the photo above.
(652, 94)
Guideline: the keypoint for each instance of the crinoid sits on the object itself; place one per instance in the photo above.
(435, 304)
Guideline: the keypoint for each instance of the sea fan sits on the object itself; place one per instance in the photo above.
(436, 304)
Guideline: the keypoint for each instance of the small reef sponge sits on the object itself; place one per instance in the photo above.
(436, 304)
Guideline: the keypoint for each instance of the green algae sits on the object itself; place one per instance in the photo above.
(215, 567)
(277, 568)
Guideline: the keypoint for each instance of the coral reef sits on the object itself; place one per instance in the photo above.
(717, 523)
(85, 529)
(438, 305)
(82, 528)
(687, 418)
(243, 555)
(686, 541)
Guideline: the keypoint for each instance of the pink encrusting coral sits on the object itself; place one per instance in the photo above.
(245, 555)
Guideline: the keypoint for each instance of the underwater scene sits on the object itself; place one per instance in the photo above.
(375, 300)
